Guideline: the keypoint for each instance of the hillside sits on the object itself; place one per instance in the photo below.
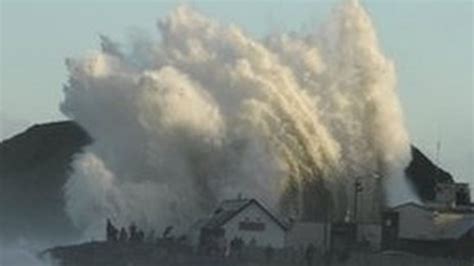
(425, 174)
(33, 169)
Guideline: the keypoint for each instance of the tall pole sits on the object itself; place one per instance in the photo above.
(357, 189)
(355, 202)
(326, 231)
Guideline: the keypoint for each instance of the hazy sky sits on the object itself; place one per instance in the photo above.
(431, 43)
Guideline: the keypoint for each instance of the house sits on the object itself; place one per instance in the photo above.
(426, 222)
(433, 230)
(452, 194)
(244, 219)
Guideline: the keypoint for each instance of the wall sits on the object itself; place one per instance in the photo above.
(372, 233)
(446, 194)
(415, 223)
(302, 234)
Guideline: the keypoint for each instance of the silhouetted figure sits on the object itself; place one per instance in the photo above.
(111, 232)
(167, 232)
(123, 236)
(181, 239)
(140, 236)
(233, 247)
(237, 247)
(221, 246)
(133, 232)
(253, 242)
(309, 254)
(269, 253)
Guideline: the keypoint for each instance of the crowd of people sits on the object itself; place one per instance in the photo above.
(137, 235)
(134, 234)
(235, 249)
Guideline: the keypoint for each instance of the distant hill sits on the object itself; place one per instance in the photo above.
(34, 166)
(424, 174)
(33, 170)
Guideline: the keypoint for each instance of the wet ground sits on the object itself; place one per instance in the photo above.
(120, 254)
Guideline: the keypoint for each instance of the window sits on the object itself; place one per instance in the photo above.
(251, 226)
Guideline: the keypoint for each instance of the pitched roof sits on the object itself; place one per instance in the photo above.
(437, 208)
(414, 204)
(230, 208)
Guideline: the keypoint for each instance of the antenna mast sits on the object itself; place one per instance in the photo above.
(438, 149)
(438, 146)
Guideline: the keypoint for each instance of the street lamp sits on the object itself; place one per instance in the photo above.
(357, 189)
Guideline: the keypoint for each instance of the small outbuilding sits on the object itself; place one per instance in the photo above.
(435, 230)
(303, 234)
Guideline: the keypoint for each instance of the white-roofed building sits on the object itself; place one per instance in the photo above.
(436, 229)
(244, 219)
(430, 223)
